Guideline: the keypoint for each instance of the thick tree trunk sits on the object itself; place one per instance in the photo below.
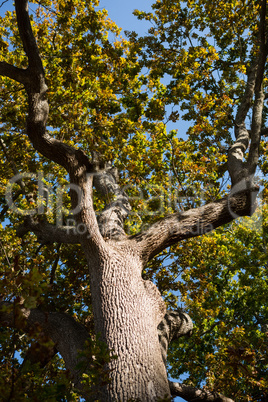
(127, 311)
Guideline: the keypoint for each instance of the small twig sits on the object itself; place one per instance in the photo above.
(3, 2)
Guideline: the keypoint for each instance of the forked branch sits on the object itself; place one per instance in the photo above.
(238, 169)
(75, 161)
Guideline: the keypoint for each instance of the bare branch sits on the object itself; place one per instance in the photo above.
(3, 2)
(194, 222)
(192, 394)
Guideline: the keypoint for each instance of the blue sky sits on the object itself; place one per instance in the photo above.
(120, 11)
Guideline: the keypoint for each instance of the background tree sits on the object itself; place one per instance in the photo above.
(79, 305)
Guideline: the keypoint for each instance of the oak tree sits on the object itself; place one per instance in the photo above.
(100, 203)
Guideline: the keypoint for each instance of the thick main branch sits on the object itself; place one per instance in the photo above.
(75, 161)
(194, 222)
(68, 335)
(33, 79)
(47, 233)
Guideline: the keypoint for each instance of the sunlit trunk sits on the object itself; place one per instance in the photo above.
(127, 311)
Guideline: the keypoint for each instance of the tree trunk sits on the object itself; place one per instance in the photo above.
(127, 311)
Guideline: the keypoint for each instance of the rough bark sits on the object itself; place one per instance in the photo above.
(191, 394)
(127, 310)
(174, 325)
(240, 170)
(194, 222)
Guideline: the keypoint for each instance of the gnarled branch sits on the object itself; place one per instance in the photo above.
(191, 394)
(238, 169)
(111, 219)
(174, 325)
(194, 222)
(75, 161)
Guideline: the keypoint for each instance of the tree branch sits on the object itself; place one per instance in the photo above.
(47, 233)
(194, 222)
(27, 37)
(75, 161)
(236, 152)
(68, 335)
(15, 73)
(238, 169)
(192, 394)
(256, 126)
(174, 325)
(111, 219)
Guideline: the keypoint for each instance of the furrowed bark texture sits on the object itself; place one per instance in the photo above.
(195, 222)
(127, 310)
